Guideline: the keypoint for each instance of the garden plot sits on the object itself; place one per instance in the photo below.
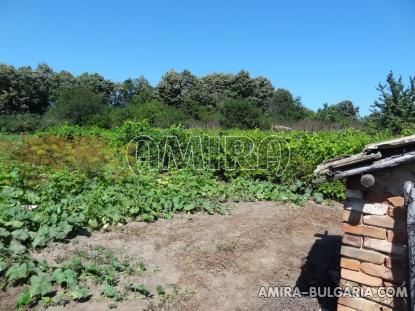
(213, 262)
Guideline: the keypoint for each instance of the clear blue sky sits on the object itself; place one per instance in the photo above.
(321, 50)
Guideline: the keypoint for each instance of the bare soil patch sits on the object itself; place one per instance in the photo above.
(219, 262)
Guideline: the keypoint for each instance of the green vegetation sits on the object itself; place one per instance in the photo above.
(33, 99)
(241, 114)
(297, 152)
(51, 187)
(58, 182)
(344, 112)
(155, 112)
(395, 108)
(80, 162)
(37, 98)
(76, 106)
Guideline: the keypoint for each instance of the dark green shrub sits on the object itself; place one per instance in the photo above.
(77, 106)
(157, 114)
(17, 123)
(237, 113)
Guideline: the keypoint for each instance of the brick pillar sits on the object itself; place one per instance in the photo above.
(373, 248)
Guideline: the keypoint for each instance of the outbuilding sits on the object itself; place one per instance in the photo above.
(378, 242)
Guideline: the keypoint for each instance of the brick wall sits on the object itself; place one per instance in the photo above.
(373, 251)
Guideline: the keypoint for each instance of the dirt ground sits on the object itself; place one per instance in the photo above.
(219, 262)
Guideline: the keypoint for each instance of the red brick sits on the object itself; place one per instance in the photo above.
(360, 277)
(376, 270)
(396, 201)
(361, 304)
(384, 246)
(398, 237)
(373, 232)
(351, 217)
(352, 240)
(384, 222)
(397, 275)
(350, 264)
(352, 229)
(362, 254)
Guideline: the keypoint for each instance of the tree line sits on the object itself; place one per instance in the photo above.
(32, 98)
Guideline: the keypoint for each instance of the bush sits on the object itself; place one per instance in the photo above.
(237, 113)
(17, 123)
(342, 113)
(156, 113)
(77, 106)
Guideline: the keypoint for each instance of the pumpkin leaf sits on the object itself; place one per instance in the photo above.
(40, 285)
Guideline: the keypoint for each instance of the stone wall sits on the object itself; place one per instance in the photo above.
(373, 252)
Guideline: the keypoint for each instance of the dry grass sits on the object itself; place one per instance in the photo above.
(79, 153)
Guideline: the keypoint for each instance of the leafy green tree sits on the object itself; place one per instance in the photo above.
(186, 92)
(77, 106)
(285, 108)
(98, 84)
(281, 102)
(26, 91)
(239, 113)
(343, 112)
(8, 94)
(123, 93)
(191, 96)
(64, 80)
(218, 85)
(242, 85)
(59, 81)
(395, 108)
(143, 90)
(139, 89)
(170, 88)
(263, 93)
(23, 90)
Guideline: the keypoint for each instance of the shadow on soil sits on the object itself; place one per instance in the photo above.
(321, 268)
(78, 232)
